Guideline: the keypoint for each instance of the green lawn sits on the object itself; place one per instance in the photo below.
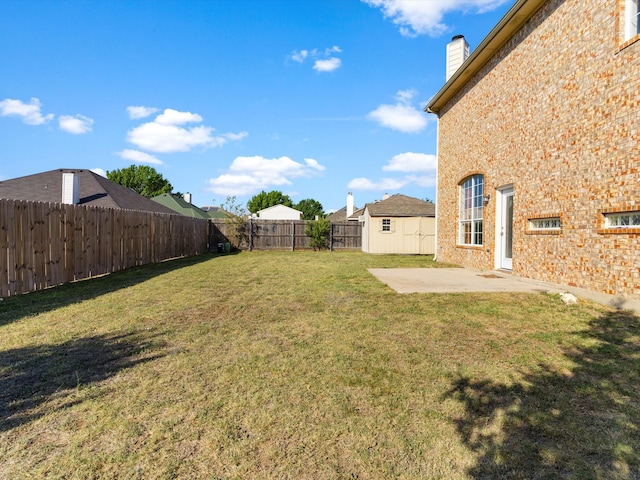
(302, 365)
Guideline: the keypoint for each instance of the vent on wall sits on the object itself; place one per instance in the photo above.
(70, 189)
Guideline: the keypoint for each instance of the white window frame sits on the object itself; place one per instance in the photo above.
(551, 224)
(385, 225)
(622, 220)
(471, 211)
(631, 19)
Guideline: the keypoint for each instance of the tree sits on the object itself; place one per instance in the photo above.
(310, 208)
(318, 231)
(142, 179)
(265, 200)
(237, 232)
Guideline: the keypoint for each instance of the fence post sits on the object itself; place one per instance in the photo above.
(331, 238)
(293, 236)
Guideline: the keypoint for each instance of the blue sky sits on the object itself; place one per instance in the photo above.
(314, 98)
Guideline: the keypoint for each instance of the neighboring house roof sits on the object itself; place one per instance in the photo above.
(401, 206)
(517, 15)
(180, 205)
(215, 212)
(95, 190)
(279, 208)
(341, 215)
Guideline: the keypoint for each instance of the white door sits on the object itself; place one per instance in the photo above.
(505, 225)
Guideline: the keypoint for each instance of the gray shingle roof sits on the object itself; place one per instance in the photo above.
(341, 215)
(401, 206)
(95, 190)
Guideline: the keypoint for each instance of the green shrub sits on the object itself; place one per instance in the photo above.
(318, 231)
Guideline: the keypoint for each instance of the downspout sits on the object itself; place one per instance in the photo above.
(435, 255)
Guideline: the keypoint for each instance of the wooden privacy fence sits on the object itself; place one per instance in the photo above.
(255, 234)
(48, 244)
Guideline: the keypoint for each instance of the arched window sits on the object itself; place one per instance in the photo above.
(631, 17)
(471, 225)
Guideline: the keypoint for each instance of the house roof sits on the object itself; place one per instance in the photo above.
(341, 215)
(401, 206)
(180, 205)
(95, 190)
(278, 207)
(215, 212)
(517, 15)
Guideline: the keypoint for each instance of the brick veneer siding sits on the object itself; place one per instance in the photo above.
(555, 113)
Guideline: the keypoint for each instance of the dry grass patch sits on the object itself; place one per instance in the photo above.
(303, 365)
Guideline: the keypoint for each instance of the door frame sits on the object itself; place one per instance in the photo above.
(502, 262)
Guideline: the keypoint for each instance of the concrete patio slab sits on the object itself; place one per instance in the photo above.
(456, 280)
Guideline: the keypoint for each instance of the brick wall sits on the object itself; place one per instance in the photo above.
(555, 113)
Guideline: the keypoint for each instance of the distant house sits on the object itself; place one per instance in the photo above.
(215, 212)
(79, 187)
(399, 224)
(180, 205)
(348, 212)
(538, 147)
(279, 212)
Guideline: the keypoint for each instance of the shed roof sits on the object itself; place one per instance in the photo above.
(401, 206)
(517, 15)
(95, 190)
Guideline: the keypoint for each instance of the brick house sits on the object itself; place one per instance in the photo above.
(539, 147)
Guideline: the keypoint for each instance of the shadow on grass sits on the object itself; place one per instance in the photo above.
(34, 303)
(583, 423)
(33, 376)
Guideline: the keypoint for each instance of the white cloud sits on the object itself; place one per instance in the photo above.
(384, 184)
(422, 180)
(299, 56)
(140, 112)
(76, 125)
(419, 169)
(411, 162)
(163, 135)
(405, 96)
(174, 117)
(401, 117)
(235, 136)
(30, 112)
(99, 171)
(327, 65)
(139, 157)
(249, 175)
(426, 17)
(324, 60)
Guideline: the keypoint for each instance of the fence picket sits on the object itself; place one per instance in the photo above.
(255, 234)
(43, 244)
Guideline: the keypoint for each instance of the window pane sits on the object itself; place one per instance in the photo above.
(471, 210)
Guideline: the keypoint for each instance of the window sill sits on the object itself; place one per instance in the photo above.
(543, 232)
(471, 247)
(619, 231)
(629, 42)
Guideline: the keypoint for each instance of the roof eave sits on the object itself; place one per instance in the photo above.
(517, 15)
